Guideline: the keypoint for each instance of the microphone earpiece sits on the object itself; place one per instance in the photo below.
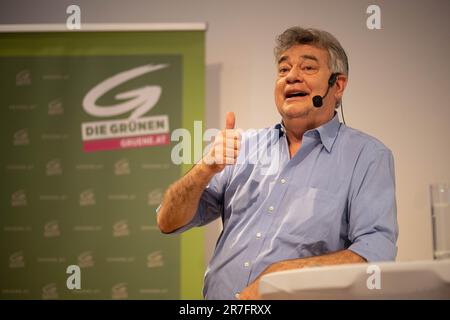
(318, 100)
(332, 79)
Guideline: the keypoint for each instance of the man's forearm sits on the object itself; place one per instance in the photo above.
(181, 199)
(339, 257)
(334, 258)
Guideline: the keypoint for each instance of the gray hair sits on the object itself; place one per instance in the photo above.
(337, 62)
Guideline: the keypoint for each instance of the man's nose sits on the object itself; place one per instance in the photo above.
(294, 75)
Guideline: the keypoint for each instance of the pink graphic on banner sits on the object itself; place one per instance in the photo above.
(126, 143)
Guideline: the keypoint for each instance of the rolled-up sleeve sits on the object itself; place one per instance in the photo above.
(210, 206)
(373, 228)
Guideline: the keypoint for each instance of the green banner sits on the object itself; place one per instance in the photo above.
(86, 120)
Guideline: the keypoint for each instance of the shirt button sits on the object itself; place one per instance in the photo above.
(271, 209)
(258, 235)
(236, 295)
(283, 181)
(246, 264)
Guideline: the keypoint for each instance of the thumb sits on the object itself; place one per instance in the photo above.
(230, 120)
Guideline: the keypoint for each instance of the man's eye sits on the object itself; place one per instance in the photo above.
(309, 69)
(283, 70)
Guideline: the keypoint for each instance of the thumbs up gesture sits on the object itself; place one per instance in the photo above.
(225, 148)
(230, 120)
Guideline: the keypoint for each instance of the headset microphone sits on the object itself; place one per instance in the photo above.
(318, 100)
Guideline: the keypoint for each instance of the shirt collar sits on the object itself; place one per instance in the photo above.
(329, 131)
(326, 132)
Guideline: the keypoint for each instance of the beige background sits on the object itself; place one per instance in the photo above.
(398, 89)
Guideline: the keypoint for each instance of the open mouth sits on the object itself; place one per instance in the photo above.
(296, 94)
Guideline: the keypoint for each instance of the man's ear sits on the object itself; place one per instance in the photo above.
(341, 83)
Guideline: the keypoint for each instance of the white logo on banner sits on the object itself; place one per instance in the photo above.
(122, 167)
(51, 229)
(134, 132)
(140, 100)
(86, 260)
(154, 197)
(119, 291)
(55, 107)
(19, 198)
(120, 229)
(21, 138)
(155, 260)
(87, 198)
(53, 167)
(17, 260)
(23, 78)
(50, 291)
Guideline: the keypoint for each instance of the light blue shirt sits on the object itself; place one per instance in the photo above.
(337, 192)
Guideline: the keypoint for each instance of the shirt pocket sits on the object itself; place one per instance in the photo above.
(311, 216)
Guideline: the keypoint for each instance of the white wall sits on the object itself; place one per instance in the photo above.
(398, 89)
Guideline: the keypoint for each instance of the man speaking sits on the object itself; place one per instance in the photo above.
(324, 194)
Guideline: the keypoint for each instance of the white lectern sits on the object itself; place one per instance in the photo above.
(387, 280)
